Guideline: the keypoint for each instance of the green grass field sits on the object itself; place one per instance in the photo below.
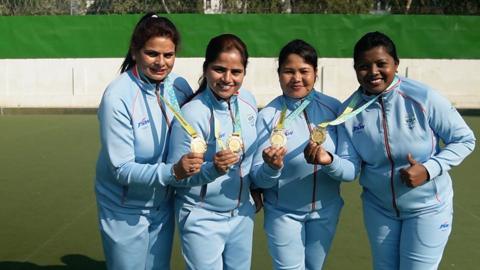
(48, 211)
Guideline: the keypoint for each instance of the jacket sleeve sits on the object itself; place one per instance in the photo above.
(346, 162)
(117, 138)
(262, 175)
(449, 126)
(180, 145)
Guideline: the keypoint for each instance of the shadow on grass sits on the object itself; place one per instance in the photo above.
(71, 262)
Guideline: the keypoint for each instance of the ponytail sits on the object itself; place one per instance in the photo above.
(128, 62)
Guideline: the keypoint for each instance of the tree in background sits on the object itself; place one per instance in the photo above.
(41, 7)
(142, 6)
(80, 7)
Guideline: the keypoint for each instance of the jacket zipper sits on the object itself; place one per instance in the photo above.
(314, 197)
(389, 155)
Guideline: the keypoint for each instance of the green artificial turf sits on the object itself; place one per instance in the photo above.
(48, 211)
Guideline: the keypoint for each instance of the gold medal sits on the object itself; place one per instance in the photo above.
(234, 143)
(198, 145)
(319, 134)
(278, 138)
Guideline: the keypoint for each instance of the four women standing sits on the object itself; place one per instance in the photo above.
(217, 149)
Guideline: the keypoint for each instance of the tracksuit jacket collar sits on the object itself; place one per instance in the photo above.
(220, 104)
(147, 87)
(385, 95)
(293, 103)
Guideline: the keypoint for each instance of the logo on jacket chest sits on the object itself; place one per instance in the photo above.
(288, 132)
(359, 127)
(144, 122)
(410, 120)
(251, 120)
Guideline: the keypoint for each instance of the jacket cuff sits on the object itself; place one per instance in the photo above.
(331, 168)
(433, 168)
(166, 174)
(271, 172)
(210, 171)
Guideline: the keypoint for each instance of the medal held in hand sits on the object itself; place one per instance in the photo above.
(278, 138)
(198, 145)
(234, 143)
(319, 134)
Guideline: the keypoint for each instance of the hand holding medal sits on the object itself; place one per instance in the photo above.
(188, 165)
(274, 156)
(224, 159)
(315, 154)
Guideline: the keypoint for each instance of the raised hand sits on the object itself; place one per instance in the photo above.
(415, 175)
(274, 156)
(224, 159)
(188, 165)
(315, 154)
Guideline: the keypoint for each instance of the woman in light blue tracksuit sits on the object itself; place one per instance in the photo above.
(302, 203)
(135, 205)
(216, 220)
(395, 143)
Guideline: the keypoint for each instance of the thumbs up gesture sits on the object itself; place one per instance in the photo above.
(415, 175)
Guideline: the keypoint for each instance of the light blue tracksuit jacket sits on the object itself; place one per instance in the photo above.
(410, 118)
(229, 191)
(295, 187)
(134, 200)
(216, 220)
(302, 203)
(131, 170)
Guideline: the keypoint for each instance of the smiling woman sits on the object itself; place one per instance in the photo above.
(134, 202)
(216, 220)
(225, 74)
(302, 205)
(155, 60)
(393, 142)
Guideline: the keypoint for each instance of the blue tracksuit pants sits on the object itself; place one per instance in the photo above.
(215, 241)
(128, 237)
(300, 240)
(411, 243)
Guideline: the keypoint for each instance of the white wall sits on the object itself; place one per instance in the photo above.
(79, 83)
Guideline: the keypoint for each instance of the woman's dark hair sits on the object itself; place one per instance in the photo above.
(300, 48)
(149, 26)
(372, 40)
(218, 45)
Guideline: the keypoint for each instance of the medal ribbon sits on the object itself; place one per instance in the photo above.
(173, 104)
(237, 126)
(283, 121)
(349, 112)
(216, 128)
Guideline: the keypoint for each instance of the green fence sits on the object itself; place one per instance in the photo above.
(435, 37)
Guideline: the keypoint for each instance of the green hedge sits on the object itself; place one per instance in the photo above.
(437, 37)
